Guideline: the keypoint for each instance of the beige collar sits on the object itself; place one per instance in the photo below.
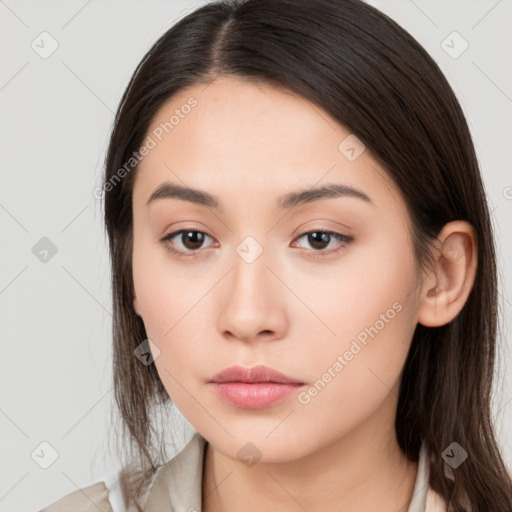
(177, 484)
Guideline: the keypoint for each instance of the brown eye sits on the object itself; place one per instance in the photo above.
(187, 241)
(192, 239)
(319, 240)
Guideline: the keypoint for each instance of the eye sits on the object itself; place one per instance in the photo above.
(192, 240)
(320, 239)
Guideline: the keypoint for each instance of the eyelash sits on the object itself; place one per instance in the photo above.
(344, 239)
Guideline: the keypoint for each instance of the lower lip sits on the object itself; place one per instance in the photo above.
(256, 395)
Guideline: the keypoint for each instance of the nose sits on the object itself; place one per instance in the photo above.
(252, 301)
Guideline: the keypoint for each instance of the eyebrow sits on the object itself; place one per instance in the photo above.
(169, 190)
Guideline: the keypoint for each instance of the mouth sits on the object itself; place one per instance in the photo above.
(254, 388)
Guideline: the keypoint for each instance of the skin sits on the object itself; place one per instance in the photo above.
(249, 144)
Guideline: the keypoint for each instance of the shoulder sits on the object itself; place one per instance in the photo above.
(108, 495)
(177, 485)
(93, 498)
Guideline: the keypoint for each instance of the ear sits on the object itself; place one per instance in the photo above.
(445, 291)
(135, 303)
(136, 307)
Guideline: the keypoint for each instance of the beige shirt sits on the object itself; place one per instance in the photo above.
(176, 487)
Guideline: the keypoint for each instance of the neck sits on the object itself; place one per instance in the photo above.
(352, 473)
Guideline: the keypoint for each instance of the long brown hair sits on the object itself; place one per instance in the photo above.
(375, 79)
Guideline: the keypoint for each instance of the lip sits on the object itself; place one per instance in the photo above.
(253, 388)
(258, 373)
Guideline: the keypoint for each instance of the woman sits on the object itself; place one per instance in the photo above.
(302, 264)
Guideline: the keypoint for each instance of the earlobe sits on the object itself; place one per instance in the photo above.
(136, 306)
(445, 291)
(135, 303)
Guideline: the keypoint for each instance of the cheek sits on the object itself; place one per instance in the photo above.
(175, 306)
(356, 373)
(167, 291)
(371, 310)
(368, 291)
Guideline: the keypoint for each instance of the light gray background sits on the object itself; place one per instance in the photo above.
(55, 118)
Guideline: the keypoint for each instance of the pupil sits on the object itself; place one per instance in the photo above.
(324, 238)
(192, 237)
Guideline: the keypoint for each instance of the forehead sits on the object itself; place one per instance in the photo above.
(236, 138)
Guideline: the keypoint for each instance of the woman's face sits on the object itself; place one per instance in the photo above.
(259, 285)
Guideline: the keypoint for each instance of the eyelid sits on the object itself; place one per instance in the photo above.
(179, 252)
(343, 239)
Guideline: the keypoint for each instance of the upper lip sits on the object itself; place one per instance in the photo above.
(259, 373)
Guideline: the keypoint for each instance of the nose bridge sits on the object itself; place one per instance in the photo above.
(251, 275)
(251, 302)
